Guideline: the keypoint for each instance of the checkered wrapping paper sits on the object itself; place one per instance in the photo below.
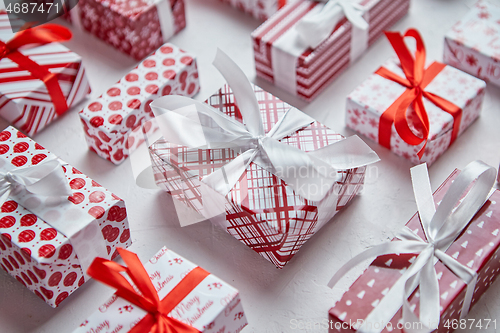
(262, 211)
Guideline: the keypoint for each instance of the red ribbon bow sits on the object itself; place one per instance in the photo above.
(417, 79)
(157, 319)
(45, 34)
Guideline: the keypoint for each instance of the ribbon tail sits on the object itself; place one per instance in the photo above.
(429, 296)
(423, 196)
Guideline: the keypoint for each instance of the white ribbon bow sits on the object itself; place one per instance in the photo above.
(441, 228)
(314, 29)
(46, 178)
(193, 124)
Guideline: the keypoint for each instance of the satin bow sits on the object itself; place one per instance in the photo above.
(417, 79)
(46, 178)
(441, 227)
(37, 36)
(315, 29)
(193, 124)
(157, 319)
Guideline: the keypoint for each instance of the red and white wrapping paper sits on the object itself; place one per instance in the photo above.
(366, 104)
(212, 306)
(282, 58)
(473, 43)
(477, 248)
(33, 250)
(261, 210)
(24, 99)
(260, 9)
(136, 28)
(109, 119)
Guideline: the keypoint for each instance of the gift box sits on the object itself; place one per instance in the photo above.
(472, 43)
(46, 242)
(109, 119)
(136, 28)
(247, 194)
(206, 304)
(35, 88)
(416, 120)
(260, 9)
(474, 248)
(285, 55)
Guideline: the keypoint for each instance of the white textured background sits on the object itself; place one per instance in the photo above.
(271, 297)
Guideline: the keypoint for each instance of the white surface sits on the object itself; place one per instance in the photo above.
(273, 299)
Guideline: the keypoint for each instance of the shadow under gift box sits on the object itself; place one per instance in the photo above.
(260, 9)
(212, 305)
(135, 28)
(109, 119)
(261, 210)
(316, 68)
(34, 252)
(24, 99)
(477, 247)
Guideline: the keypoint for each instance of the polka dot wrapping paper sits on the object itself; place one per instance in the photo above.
(473, 43)
(477, 247)
(212, 306)
(108, 120)
(33, 251)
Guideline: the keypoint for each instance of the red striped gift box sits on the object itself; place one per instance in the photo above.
(317, 68)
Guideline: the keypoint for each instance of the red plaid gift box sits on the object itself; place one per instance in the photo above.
(26, 100)
(136, 28)
(260, 9)
(286, 58)
(33, 249)
(109, 119)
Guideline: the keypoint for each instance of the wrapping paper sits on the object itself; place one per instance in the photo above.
(316, 69)
(262, 211)
(213, 306)
(133, 27)
(24, 99)
(477, 247)
(109, 119)
(366, 104)
(33, 251)
(473, 43)
(260, 9)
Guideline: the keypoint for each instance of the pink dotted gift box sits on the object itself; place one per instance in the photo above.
(41, 80)
(192, 299)
(473, 43)
(466, 262)
(136, 28)
(285, 55)
(108, 120)
(260, 9)
(46, 242)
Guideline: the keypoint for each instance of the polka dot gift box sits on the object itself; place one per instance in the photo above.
(136, 28)
(191, 299)
(46, 242)
(108, 120)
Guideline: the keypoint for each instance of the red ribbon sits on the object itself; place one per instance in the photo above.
(45, 34)
(157, 319)
(417, 79)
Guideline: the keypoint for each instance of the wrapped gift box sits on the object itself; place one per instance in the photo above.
(282, 58)
(473, 43)
(371, 101)
(24, 99)
(136, 28)
(477, 247)
(212, 306)
(255, 207)
(109, 119)
(260, 9)
(32, 250)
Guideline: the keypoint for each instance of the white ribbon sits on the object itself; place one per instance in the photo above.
(312, 30)
(197, 125)
(441, 228)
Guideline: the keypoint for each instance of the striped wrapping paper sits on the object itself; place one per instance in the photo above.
(260, 9)
(319, 67)
(24, 99)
